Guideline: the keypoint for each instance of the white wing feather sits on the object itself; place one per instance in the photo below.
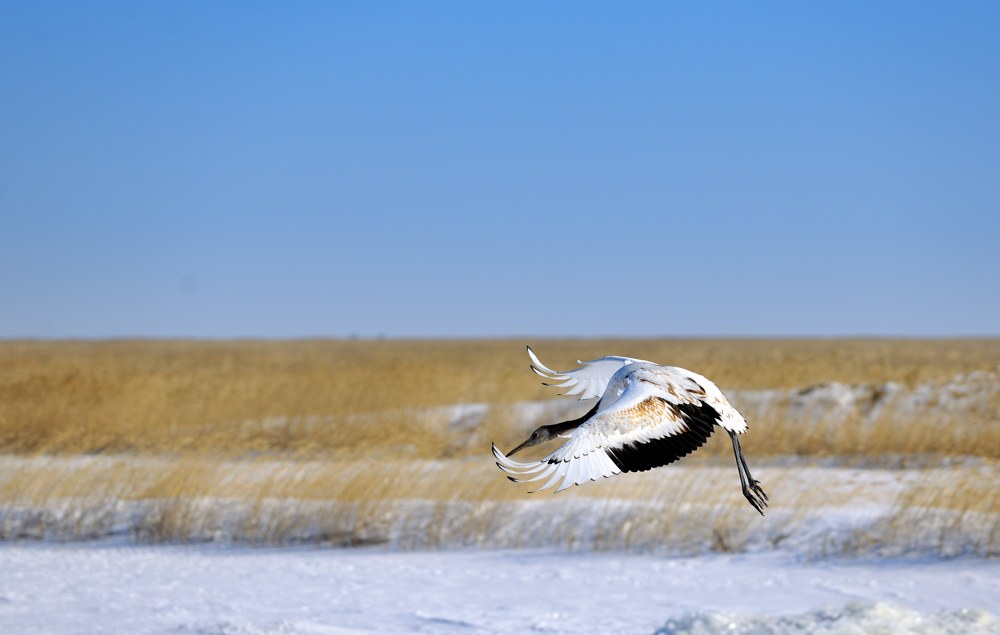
(586, 382)
(731, 419)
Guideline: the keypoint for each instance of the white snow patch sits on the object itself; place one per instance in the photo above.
(832, 402)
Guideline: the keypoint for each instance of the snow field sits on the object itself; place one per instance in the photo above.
(110, 588)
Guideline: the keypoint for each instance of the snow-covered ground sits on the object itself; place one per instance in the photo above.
(635, 555)
(116, 588)
(683, 509)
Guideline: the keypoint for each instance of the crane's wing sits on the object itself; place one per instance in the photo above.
(659, 418)
(587, 381)
(729, 417)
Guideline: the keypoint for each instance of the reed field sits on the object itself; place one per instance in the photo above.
(865, 446)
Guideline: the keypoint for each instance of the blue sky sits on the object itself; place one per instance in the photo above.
(499, 169)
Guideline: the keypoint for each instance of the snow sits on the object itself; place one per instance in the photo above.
(815, 510)
(115, 588)
(833, 402)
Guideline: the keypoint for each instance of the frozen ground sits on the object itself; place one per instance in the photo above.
(679, 510)
(105, 588)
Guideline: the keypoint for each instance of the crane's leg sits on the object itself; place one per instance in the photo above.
(752, 489)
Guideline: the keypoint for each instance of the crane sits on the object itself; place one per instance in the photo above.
(647, 415)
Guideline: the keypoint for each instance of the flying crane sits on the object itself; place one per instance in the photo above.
(647, 416)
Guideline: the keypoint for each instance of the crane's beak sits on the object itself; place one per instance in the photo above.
(533, 440)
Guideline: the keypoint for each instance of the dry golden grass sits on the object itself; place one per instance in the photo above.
(238, 397)
(337, 441)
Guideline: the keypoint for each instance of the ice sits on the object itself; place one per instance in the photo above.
(855, 618)
(115, 588)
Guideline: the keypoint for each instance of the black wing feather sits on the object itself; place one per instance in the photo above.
(639, 457)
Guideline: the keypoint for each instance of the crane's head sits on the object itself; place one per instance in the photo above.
(540, 435)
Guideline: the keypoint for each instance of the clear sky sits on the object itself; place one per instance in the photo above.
(218, 169)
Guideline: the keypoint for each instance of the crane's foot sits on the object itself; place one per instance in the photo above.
(757, 496)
